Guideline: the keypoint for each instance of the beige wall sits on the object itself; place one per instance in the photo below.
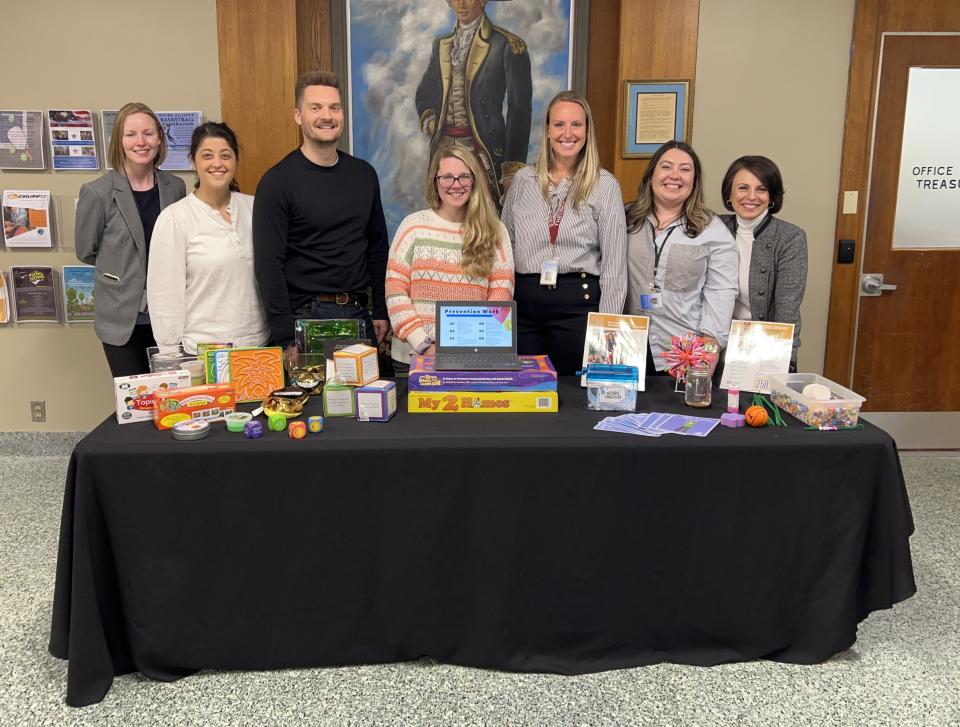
(772, 80)
(95, 55)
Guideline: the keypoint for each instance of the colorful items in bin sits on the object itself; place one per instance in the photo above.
(134, 394)
(732, 419)
(755, 416)
(315, 424)
(356, 365)
(253, 372)
(253, 429)
(840, 411)
(191, 429)
(685, 352)
(338, 400)
(537, 374)
(376, 402)
(287, 402)
(479, 402)
(237, 421)
(311, 334)
(210, 402)
(296, 430)
(611, 387)
(277, 422)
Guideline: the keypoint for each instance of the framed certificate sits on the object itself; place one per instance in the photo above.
(655, 112)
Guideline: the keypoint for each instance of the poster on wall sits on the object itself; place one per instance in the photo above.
(927, 214)
(72, 141)
(78, 293)
(177, 126)
(34, 294)
(4, 299)
(423, 77)
(26, 218)
(21, 140)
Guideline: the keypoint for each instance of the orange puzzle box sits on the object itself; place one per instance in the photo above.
(209, 402)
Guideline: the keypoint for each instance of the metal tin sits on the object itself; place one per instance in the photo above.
(192, 429)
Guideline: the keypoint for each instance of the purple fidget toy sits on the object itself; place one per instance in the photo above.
(253, 429)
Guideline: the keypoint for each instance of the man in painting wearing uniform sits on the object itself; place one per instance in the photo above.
(460, 97)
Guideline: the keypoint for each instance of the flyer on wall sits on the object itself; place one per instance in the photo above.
(34, 294)
(21, 140)
(178, 128)
(72, 141)
(78, 293)
(4, 300)
(26, 218)
(755, 350)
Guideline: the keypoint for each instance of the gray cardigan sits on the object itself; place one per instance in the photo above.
(109, 235)
(778, 273)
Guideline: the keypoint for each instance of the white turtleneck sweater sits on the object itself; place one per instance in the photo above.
(745, 228)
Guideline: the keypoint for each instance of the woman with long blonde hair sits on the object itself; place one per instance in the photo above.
(565, 217)
(456, 249)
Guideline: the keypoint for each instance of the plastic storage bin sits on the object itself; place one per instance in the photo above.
(612, 387)
(841, 410)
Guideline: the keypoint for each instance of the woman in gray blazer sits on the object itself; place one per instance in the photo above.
(773, 253)
(115, 218)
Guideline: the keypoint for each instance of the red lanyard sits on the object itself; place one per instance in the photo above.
(553, 224)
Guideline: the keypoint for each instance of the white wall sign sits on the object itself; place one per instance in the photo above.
(928, 198)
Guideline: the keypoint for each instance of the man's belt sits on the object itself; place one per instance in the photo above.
(338, 298)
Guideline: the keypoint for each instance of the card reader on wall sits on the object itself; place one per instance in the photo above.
(845, 251)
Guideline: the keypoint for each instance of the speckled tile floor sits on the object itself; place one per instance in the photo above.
(903, 671)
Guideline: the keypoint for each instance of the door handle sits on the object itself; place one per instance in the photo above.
(872, 284)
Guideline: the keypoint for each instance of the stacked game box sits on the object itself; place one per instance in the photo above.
(531, 389)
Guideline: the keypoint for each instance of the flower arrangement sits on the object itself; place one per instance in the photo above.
(686, 352)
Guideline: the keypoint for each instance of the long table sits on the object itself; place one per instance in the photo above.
(524, 542)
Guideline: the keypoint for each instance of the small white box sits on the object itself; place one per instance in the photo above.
(134, 394)
(376, 402)
(356, 365)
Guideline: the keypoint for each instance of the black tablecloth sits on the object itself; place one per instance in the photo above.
(526, 542)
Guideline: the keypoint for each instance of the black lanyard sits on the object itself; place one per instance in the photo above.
(658, 251)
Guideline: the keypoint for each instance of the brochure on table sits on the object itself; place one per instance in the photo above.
(756, 349)
(26, 218)
(616, 339)
(72, 141)
(21, 140)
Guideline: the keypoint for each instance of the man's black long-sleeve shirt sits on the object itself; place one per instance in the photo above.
(317, 230)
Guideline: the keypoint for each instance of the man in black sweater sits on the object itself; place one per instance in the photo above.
(319, 236)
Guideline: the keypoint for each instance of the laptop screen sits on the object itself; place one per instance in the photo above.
(477, 326)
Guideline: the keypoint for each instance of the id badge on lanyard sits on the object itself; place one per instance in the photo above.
(654, 300)
(549, 269)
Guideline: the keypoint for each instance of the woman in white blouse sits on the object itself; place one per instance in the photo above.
(201, 285)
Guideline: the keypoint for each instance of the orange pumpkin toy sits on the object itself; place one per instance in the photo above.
(755, 416)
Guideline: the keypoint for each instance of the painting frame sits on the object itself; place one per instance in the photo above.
(644, 105)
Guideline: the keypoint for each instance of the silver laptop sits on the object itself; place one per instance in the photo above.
(477, 336)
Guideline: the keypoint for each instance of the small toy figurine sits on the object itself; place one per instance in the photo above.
(297, 430)
(315, 424)
(277, 422)
(253, 429)
(756, 416)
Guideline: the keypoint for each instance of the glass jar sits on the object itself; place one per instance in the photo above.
(698, 387)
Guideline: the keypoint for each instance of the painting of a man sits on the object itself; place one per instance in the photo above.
(460, 99)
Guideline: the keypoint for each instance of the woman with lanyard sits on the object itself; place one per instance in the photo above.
(682, 260)
(115, 219)
(566, 220)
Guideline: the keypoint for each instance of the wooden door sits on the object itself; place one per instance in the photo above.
(899, 349)
(908, 339)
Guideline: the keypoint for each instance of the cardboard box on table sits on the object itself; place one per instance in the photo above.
(537, 374)
(356, 365)
(481, 402)
(376, 402)
(209, 402)
(134, 394)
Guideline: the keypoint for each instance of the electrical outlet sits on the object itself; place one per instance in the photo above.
(38, 411)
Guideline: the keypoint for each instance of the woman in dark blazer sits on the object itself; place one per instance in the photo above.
(115, 218)
(773, 253)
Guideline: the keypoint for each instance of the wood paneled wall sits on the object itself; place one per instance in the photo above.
(636, 40)
(264, 45)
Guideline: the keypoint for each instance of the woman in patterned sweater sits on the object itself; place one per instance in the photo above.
(456, 250)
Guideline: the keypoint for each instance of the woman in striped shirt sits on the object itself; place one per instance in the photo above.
(456, 250)
(565, 217)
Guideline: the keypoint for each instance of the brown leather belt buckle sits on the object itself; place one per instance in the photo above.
(342, 298)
